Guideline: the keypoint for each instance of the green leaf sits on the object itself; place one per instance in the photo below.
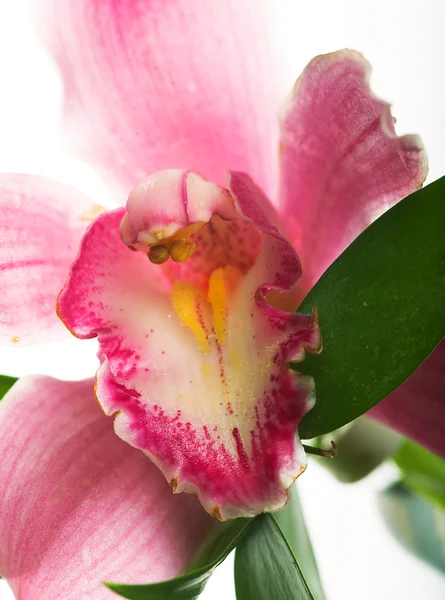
(190, 585)
(381, 310)
(417, 524)
(423, 471)
(6, 384)
(292, 523)
(265, 567)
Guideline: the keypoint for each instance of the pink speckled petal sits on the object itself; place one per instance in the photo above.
(41, 225)
(154, 84)
(193, 358)
(417, 407)
(79, 506)
(341, 161)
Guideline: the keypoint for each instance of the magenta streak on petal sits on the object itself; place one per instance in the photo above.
(243, 458)
(184, 192)
(18, 264)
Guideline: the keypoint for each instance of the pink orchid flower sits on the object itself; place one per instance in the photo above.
(194, 342)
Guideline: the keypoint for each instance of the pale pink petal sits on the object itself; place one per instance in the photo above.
(341, 161)
(154, 85)
(154, 212)
(193, 358)
(41, 224)
(417, 407)
(78, 505)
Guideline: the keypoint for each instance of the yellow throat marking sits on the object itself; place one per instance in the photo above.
(192, 305)
(188, 302)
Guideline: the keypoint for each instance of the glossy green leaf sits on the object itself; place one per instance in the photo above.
(422, 471)
(417, 524)
(6, 384)
(265, 567)
(292, 523)
(190, 585)
(381, 310)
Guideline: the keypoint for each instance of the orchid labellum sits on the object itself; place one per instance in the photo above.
(191, 288)
(193, 355)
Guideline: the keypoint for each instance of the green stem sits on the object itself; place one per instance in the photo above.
(321, 452)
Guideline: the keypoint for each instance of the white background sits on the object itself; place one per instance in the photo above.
(405, 42)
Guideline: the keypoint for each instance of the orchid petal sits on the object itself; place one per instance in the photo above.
(342, 163)
(42, 222)
(157, 84)
(417, 407)
(193, 358)
(78, 505)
